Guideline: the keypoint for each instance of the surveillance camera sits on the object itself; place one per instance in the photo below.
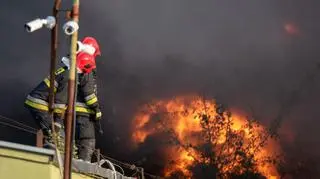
(70, 27)
(85, 48)
(33, 25)
(49, 22)
(37, 24)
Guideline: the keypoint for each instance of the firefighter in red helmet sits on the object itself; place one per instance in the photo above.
(87, 119)
(87, 106)
(92, 42)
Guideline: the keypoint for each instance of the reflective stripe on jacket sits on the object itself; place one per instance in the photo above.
(39, 96)
(83, 108)
(87, 100)
(36, 103)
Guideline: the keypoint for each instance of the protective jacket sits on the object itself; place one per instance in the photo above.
(87, 101)
(38, 98)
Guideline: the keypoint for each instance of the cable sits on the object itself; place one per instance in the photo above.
(105, 158)
(17, 127)
(135, 173)
(131, 167)
(19, 123)
(126, 165)
(111, 165)
(123, 164)
(122, 171)
(153, 176)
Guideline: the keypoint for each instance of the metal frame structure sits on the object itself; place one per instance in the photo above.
(69, 119)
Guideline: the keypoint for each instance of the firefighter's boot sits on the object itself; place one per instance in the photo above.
(86, 149)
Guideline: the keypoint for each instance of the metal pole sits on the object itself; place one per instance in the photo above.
(71, 96)
(142, 173)
(39, 139)
(54, 47)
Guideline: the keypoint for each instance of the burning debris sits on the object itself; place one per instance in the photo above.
(204, 139)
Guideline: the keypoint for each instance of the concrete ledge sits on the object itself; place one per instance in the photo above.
(26, 148)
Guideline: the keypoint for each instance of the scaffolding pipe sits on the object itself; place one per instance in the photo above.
(71, 96)
(53, 61)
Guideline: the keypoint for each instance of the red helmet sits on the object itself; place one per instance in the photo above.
(85, 62)
(93, 42)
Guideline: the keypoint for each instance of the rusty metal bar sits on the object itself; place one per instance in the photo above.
(71, 96)
(53, 61)
(39, 138)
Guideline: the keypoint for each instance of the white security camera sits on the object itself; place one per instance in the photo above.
(85, 48)
(70, 27)
(37, 24)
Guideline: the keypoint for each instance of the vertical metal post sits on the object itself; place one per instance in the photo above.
(71, 96)
(39, 139)
(54, 47)
(142, 173)
(98, 155)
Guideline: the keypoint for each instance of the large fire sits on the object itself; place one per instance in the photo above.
(204, 133)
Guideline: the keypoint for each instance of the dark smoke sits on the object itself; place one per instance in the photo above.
(235, 51)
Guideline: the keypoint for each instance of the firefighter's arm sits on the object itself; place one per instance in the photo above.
(90, 96)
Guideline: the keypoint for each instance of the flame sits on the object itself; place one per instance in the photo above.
(183, 118)
(183, 159)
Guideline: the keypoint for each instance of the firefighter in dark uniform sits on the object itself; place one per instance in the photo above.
(37, 100)
(88, 112)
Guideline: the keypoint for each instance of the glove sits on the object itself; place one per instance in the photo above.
(98, 114)
(98, 117)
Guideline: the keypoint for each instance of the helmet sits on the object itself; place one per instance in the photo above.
(85, 62)
(93, 42)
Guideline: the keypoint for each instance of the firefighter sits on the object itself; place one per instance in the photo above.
(93, 43)
(37, 102)
(87, 115)
(37, 99)
(88, 112)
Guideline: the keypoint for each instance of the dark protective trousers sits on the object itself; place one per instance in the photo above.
(85, 137)
(42, 119)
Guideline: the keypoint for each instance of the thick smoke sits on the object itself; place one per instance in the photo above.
(235, 51)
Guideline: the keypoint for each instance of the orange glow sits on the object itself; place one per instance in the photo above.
(183, 159)
(184, 118)
(291, 29)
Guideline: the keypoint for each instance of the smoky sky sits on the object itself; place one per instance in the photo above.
(235, 51)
